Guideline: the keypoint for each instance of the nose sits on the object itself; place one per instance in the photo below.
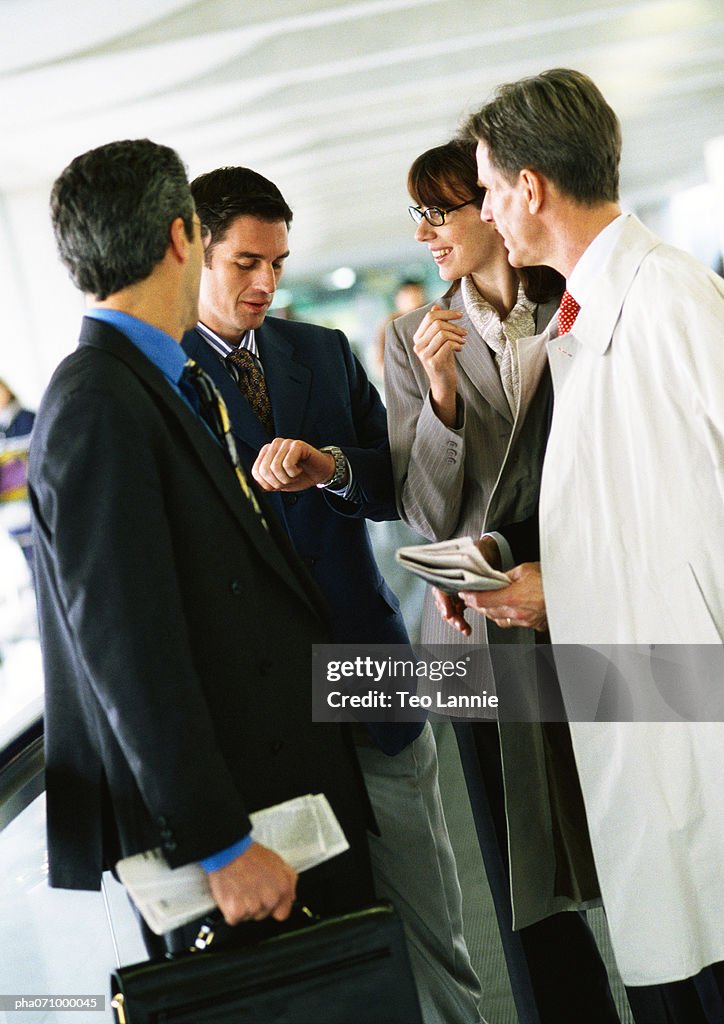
(265, 279)
(424, 231)
(486, 213)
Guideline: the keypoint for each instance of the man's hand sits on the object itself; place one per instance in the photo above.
(452, 610)
(520, 604)
(488, 548)
(255, 885)
(436, 342)
(451, 606)
(287, 465)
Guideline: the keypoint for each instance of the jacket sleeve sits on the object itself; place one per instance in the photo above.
(428, 458)
(367, 447)
(101, 517)
(523, 539)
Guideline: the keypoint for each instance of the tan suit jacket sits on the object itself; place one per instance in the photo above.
(453, 483)
(456, 483)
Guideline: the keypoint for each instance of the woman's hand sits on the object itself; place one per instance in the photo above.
(437, 341)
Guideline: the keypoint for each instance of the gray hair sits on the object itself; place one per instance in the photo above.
(556, 123)
(111, 210)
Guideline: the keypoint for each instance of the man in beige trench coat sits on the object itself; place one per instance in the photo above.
(631, 523)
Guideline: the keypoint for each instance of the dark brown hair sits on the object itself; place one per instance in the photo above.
(230, 192)
(446, 175)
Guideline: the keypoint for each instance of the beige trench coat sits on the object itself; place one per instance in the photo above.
(632, 535)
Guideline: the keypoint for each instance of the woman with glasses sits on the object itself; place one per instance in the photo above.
(468, 398)
(453, 381)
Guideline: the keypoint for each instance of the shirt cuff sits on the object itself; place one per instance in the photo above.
(350, 489)
(224, 857)
(506, 555)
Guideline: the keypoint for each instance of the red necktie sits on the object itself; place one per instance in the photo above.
(567, 313)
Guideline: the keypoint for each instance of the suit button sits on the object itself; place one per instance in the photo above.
(290, 499)
(166, 833)
(170, 846)
(162, 821)
(309, 562)
(450, 459)
(265, 667)
(236, 588)
(276, 746)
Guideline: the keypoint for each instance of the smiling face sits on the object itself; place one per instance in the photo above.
(463, 245)
(506, 207)
(241, 275)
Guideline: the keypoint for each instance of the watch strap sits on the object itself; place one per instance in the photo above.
(341, 468)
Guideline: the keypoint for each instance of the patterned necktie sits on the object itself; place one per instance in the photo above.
(212, 409)
(252, 385)
(567, 313)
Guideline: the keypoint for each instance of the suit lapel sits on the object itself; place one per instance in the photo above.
(246, 426)
(532, 360)
(212, 458)
(288, 378)
(533, 356)
(477, 362)
(248, 432)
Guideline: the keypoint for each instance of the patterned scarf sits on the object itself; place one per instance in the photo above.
(501, 336)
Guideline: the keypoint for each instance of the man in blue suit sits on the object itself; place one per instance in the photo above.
(312, 429)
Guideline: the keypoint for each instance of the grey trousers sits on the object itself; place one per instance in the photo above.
(414, 867)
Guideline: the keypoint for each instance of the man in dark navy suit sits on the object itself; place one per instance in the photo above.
(172, 653)
(312, 430)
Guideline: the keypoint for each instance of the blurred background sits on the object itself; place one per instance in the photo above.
(332, 101)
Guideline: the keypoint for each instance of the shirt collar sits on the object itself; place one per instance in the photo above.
(248, 340)
(582, 282)
(158, 347)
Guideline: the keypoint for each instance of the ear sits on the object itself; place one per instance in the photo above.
(178, 243)
(534, 186)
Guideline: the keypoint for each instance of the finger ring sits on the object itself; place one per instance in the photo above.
(509, 622)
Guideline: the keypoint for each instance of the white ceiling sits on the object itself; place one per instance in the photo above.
(334, 100)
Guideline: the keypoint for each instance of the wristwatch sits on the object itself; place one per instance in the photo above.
(341, 469)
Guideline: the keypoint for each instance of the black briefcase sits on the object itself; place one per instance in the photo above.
(352, 969)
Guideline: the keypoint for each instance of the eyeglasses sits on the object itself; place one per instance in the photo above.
(434, 215)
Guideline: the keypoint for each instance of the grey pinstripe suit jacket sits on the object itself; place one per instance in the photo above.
(461, 482)
(456, 483)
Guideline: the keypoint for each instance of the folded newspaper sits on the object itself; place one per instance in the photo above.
(452, 565)
(304, 831)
